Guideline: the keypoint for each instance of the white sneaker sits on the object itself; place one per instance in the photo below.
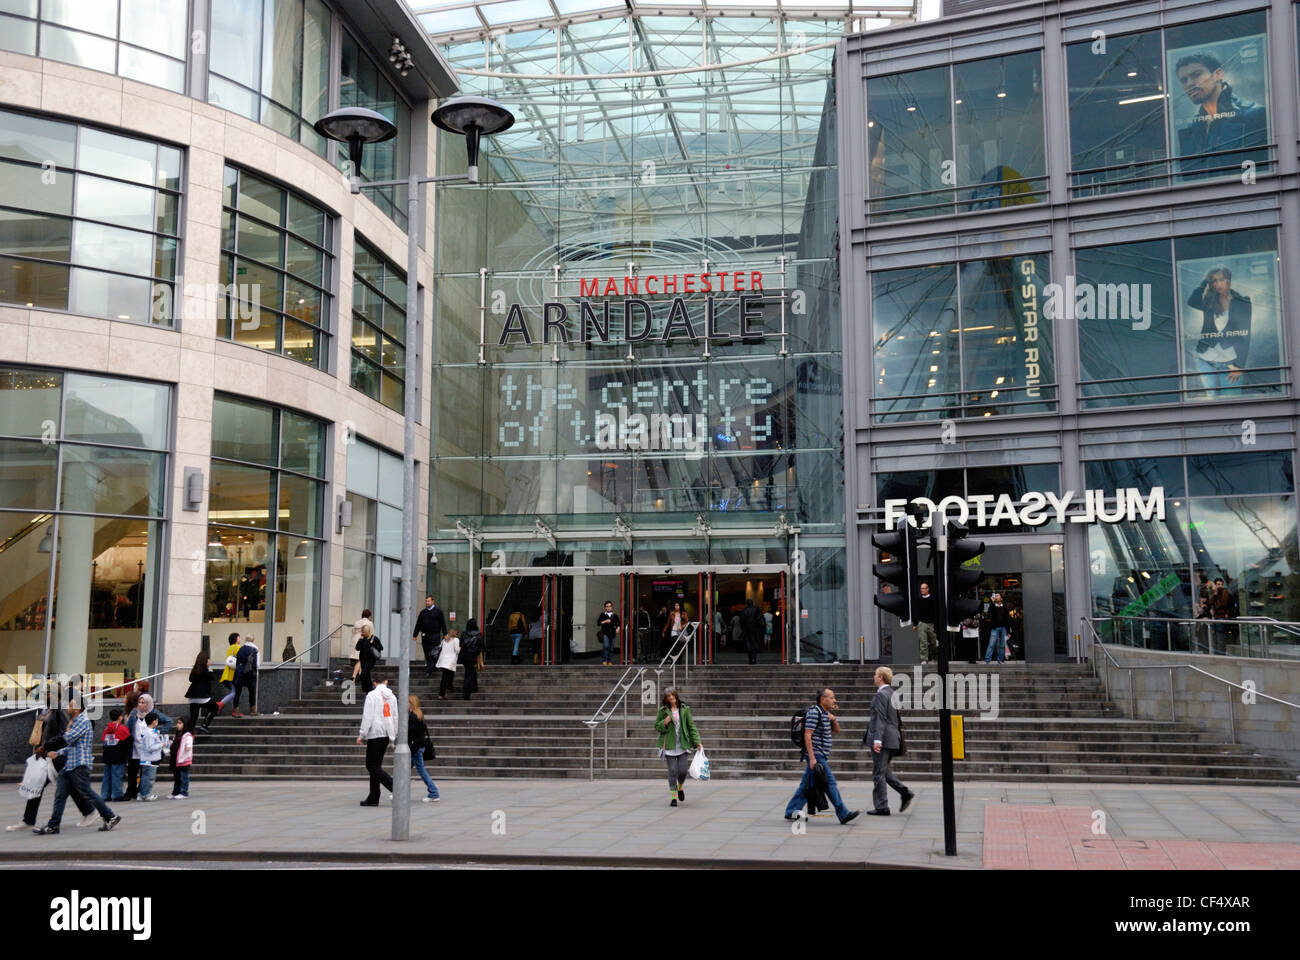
(18, 826)
(426, 800)
(152, 796)
(88, 819)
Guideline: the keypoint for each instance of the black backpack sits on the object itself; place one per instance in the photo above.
(470, 647)
(798, 724)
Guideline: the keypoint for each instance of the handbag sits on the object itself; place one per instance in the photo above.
(902, 737)
(37, 736)
(429, 752)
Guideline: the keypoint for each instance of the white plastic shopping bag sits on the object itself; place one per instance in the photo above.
(699, 766)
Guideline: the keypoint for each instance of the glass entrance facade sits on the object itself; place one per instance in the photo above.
(638, 331)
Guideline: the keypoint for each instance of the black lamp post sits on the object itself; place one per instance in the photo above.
(474, 118)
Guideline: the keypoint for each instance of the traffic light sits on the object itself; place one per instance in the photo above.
(900, 572)
(961, 580)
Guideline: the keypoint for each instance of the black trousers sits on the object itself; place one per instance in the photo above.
(375, 750)
(34, 805)
(430, 642)
(252, 695)
(448, 682)
(132, 780)
(470, 684)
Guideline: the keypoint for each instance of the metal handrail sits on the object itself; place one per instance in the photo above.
(98, 695)
(605, 712)
(1171, 667)
(1290, 627)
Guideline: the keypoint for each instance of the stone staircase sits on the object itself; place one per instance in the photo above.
(1054, 725)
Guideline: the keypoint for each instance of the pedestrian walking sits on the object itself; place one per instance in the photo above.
(674, 625)
(227, 680)
(819, 723)
(518, 627)
(77, 746)
(535, 631)
(751, 625)
(369, 650)
(430, 626)
(117, 751)
(182, 758)
(677, 737)
(471, 645)
(999, 618)
(357, 628)
(49, 725)
(246, 663)
(885, 734)
(150, 750)
(608, 626)
(199, 694)
(417, 738)
(448, 656)
(378, 730)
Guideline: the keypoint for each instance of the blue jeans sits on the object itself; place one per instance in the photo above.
(1214, 377)
(607, 643)
(148, 773)
(76, 781)
(417, 761)
(111, 788)
(998, 641)
(181, 781)
(800, 798)
(516, 639)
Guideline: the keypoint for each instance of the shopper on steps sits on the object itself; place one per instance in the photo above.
(378, 729)
(448, 654)
(677, 737)
(417, 738)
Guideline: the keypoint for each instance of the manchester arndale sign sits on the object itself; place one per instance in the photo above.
(1035, 508)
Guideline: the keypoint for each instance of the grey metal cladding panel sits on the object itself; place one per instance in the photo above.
(1192, 437)
(946, 248)
(1262, 210)
(1015, 38)
(1127, 18)
(1189, 11)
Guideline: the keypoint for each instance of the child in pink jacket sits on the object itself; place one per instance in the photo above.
(182, 750)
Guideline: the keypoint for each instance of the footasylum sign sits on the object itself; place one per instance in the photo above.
(1035, 508)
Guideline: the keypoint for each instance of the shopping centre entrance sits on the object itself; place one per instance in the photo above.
(561, 607)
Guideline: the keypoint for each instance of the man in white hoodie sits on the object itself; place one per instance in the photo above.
(378, 728)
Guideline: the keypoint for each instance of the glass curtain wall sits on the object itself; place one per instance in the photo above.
(277, 263)
(89, 220)
(378, 327)
(363, 84)
(83, 463)
(143, 40)
(684, 258)
(269, 61)
(1186, 103)
(265, 527)
(1228, 516)
(372, 545)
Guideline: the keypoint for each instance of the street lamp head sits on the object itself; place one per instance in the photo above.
(355, 126)
(473, 117)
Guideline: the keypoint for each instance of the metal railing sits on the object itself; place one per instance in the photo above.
(1261, 637)
(1110, 663)
(99, 696)
(630, 678)
(302, 666)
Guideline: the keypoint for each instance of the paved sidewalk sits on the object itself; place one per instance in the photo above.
(723, 823)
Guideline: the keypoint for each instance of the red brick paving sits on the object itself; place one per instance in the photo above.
(1047, 837)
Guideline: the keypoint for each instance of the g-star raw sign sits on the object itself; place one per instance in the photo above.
(597, 308)
(1035, 508)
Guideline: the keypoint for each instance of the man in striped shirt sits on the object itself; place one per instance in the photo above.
(819, 724)
(79, 752)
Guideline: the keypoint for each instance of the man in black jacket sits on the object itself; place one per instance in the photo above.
(752, 627)
(430, 627)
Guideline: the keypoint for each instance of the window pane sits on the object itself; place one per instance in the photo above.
(300, 505)
(914, 320)
(263, 283)
(259, 242)
(235, 586)
(237, 41)
(909, 137)
(1144, 474)
(302, 441)
(22, 186)
(112, 248)
(361, 534)
(232, 97)
(388, 538)
(159, 25)
(24, 588)
(1243, 540)
(240, 495)
(242, 431)
(32, 235)
(304, 302)
(299, 342)
(36, 139)
(1117, 113)
(315, 67)
(260, 199)
(1238, 473)
(29, 403)
(120, 157)
(137, 64)
(256, 328)
(282, 52)
(306, 220)
(118, 203)
(1006, 341)
(27, 474)
(169, 168)
(18, 36)
(998, 105)
(392, 392)
(99, 17)
(297, 597)
(109, 295)
(1124, 310)
(33, 284)
(99, 480)
(122, 412)
(1142, 569)
(1217, 75)
(363, 469)
(931, 484)
(304, 261)
(1230, 313)
(390, 478)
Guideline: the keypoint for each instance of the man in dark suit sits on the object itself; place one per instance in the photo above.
(430, 627)
(752, 627)
(884, 733)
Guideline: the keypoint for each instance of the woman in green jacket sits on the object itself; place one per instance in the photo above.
(677, 736)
